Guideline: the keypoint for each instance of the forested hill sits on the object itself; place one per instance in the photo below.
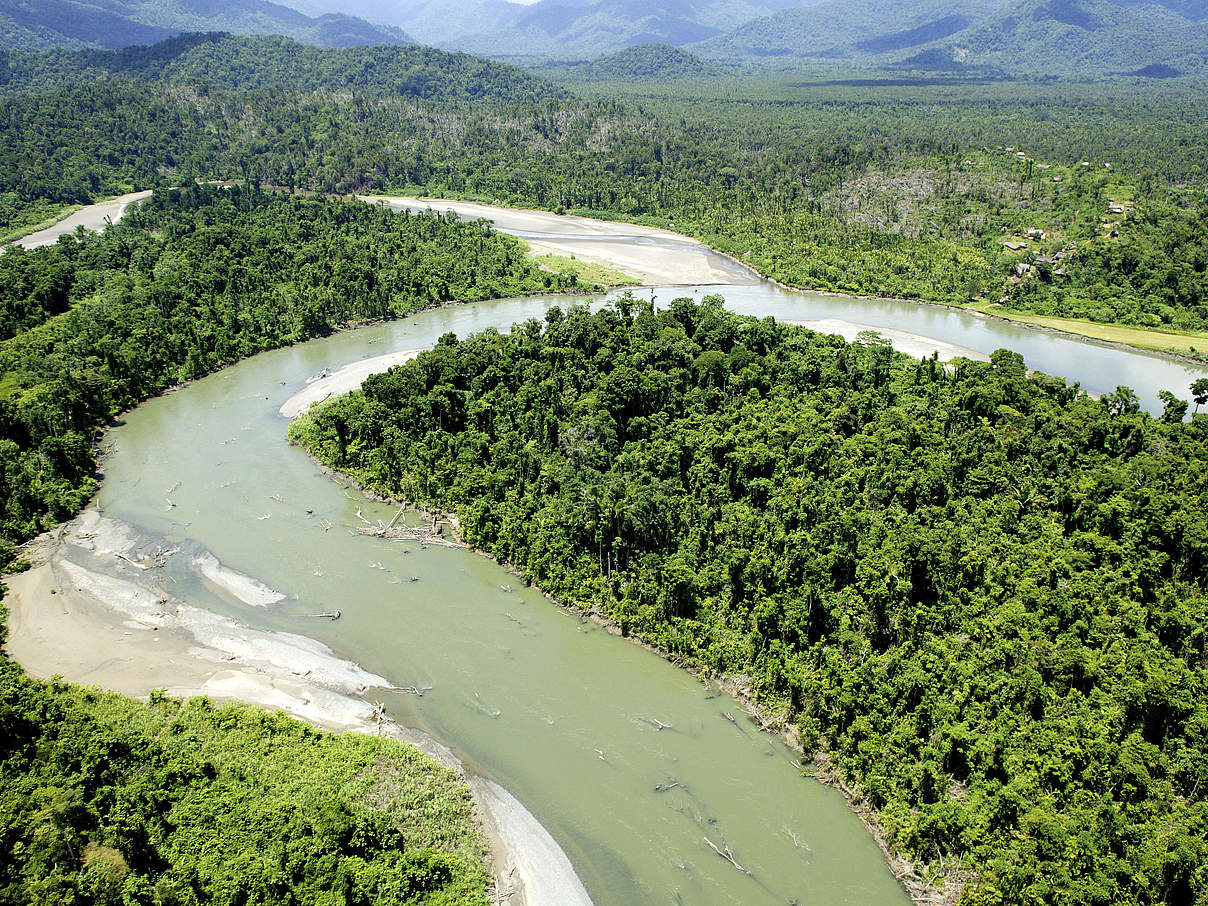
(643, 63)
(222, 61)
(121, 23)
(979, 594)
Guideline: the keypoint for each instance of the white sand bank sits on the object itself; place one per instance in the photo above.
(101, 577)
(342, 380)
(913, 344)
(651, 255)
(539, 869)
(90, 217)
(234, 583)
(92, 609)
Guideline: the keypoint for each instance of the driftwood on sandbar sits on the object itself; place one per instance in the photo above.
(417, 691)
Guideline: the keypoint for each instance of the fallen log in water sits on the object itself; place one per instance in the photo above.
(408, 533)
(417, 691)
(727, 855)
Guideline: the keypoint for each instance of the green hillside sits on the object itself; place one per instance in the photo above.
(1083, 36)
(643, 63)
(842, 31)
(264, 62)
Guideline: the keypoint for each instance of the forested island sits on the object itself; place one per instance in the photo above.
(976, 593)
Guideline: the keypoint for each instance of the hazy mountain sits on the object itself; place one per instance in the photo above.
(559, 28)
(32, 24)
(1196, 10)
(1016, 36)
(848, 29)
(429, 21)
(1084, 36)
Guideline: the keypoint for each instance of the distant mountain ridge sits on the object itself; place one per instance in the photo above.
(1141, 38)
(561, 29)
(1031, 37)
(111, 24)
(1017, 37)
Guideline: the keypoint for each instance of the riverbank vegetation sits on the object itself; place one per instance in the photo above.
(976, 593)
(190, 281)
(105, 800)
(1064, 200)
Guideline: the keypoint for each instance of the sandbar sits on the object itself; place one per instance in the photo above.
(343, 380)
(234, 583)
(654, 256)
(91, 217)
(92, 610)
(913, 344)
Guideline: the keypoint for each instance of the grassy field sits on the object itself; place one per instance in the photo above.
(588, 272)
(48, 216)
(1176, 342)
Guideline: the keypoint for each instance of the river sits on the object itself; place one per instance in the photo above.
(558, 711)
(916, 328)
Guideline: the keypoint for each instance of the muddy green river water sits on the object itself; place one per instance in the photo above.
(560, 712)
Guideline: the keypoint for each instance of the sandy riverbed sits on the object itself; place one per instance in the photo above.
(653, 256)
(342, 380)
(92, 610)
(91, 217)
